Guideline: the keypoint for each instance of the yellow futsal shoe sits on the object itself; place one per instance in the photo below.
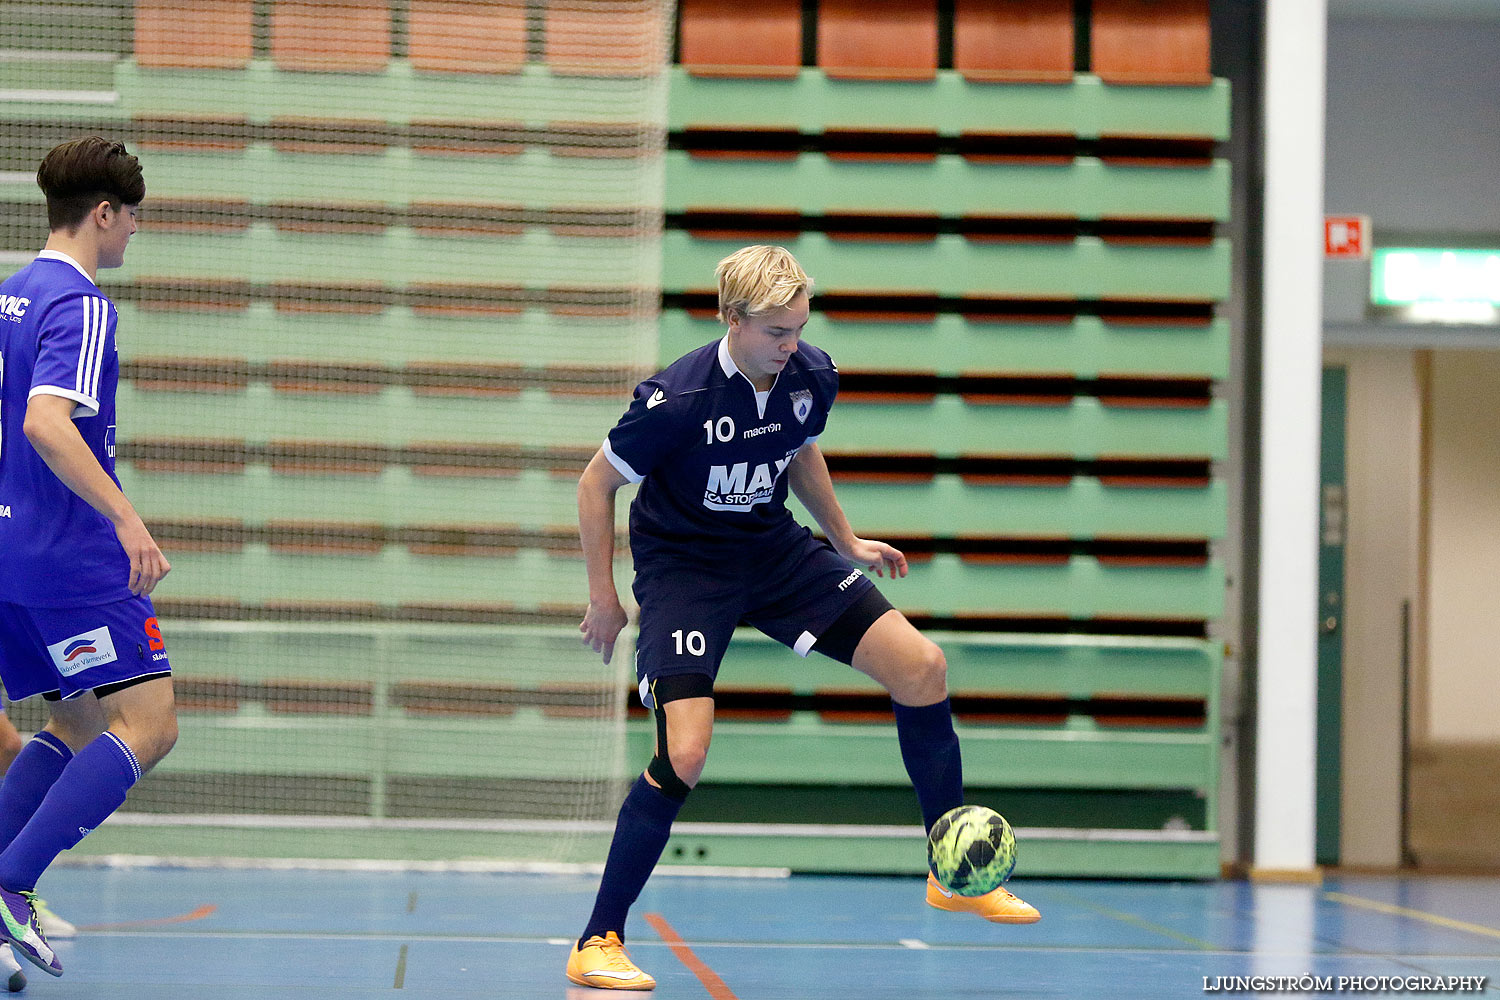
(997, 906)
(602, 963)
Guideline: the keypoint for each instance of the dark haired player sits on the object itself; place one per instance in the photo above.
(76, 561)
(715, 441)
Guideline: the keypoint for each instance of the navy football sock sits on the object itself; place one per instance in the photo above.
(929, 748)
(641, 834)
(92, 786)
(33, 771)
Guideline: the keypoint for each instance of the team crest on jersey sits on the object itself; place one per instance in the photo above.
(79, 652)
(801, 404)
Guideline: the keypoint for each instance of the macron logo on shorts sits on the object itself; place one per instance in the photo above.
(79, 652)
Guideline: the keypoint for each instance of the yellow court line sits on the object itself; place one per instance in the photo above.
(1135, 921)
(1403, 911)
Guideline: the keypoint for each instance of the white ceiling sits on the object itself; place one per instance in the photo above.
(1416, 10)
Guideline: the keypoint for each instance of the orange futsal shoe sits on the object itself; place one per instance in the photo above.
(602, 963)
(997, 906)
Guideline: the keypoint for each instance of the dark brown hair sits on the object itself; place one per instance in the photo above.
(79, 174)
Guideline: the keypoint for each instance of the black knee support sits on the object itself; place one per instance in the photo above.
(674, 687)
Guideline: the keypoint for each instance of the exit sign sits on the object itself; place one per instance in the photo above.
(1416, 276)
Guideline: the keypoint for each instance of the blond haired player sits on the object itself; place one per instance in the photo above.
(715, 441)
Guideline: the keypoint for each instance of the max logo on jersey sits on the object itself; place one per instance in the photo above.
(657, 398)
(735, 487)
(79, 652)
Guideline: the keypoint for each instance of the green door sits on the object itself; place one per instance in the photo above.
(1331, 508)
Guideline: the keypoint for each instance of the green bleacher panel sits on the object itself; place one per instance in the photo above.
(397, 175)
(949, 344)
(525, 578)
(944, 585)
(1023, 756)
(393, 415)
(1085, 267)
(395, 335)
(948, 426)
(48, 74)
(396, 257)
(1084, 508)
(1070, 665)
(1081, 587)
(398, 94)
(529, 499)
(950, 105)
(814, 184)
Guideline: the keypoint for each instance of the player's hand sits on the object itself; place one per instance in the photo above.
(878, 557)
(147, 564)
(601, 626)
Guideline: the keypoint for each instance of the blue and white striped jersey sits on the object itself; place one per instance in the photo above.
(57, 336)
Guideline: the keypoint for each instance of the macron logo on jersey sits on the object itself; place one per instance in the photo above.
(657, 398)
(734, 487)
(79, 652)
(13, 306)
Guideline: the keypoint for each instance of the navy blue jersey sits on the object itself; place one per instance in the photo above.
(711, 453)
(57, 337)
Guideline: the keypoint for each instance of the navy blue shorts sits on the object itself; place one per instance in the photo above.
(64, 652)
(792, 590)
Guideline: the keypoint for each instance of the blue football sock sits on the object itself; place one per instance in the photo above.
(92, 786)
(641, 834)
(33, 771)
(929, 748)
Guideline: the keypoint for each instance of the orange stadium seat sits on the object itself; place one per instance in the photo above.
(878, 39)
(733, 38)
(194, 34)
(606, 38)
(1013, 41)
(1151, 42)
(342, 36)
(467, 36)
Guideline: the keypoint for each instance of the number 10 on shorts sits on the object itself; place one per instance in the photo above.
(694, 642)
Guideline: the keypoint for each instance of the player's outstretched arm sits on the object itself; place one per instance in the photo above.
(49, 427)
(596, 530)
(809, 480)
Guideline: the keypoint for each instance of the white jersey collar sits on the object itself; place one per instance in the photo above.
(726, 362)
(59, 255)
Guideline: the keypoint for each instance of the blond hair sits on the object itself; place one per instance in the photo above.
(758, 279)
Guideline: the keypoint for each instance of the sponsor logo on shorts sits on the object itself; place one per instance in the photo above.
(79, 652)
(844, 584)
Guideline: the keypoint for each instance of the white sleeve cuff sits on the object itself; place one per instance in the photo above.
(621, 466)
(86, 407)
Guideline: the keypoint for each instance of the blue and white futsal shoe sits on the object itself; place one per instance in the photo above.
(18, 923)
(15, 979)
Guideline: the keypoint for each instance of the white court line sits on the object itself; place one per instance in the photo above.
(640, 942)
(915, 944)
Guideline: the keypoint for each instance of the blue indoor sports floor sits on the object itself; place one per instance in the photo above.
(170, 933)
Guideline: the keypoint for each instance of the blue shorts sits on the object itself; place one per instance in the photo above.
(792, 590)
(63, 652)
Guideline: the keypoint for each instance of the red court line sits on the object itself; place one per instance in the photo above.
(708, 977)
(181, 918)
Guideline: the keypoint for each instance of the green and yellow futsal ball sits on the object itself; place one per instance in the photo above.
(971, 850)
